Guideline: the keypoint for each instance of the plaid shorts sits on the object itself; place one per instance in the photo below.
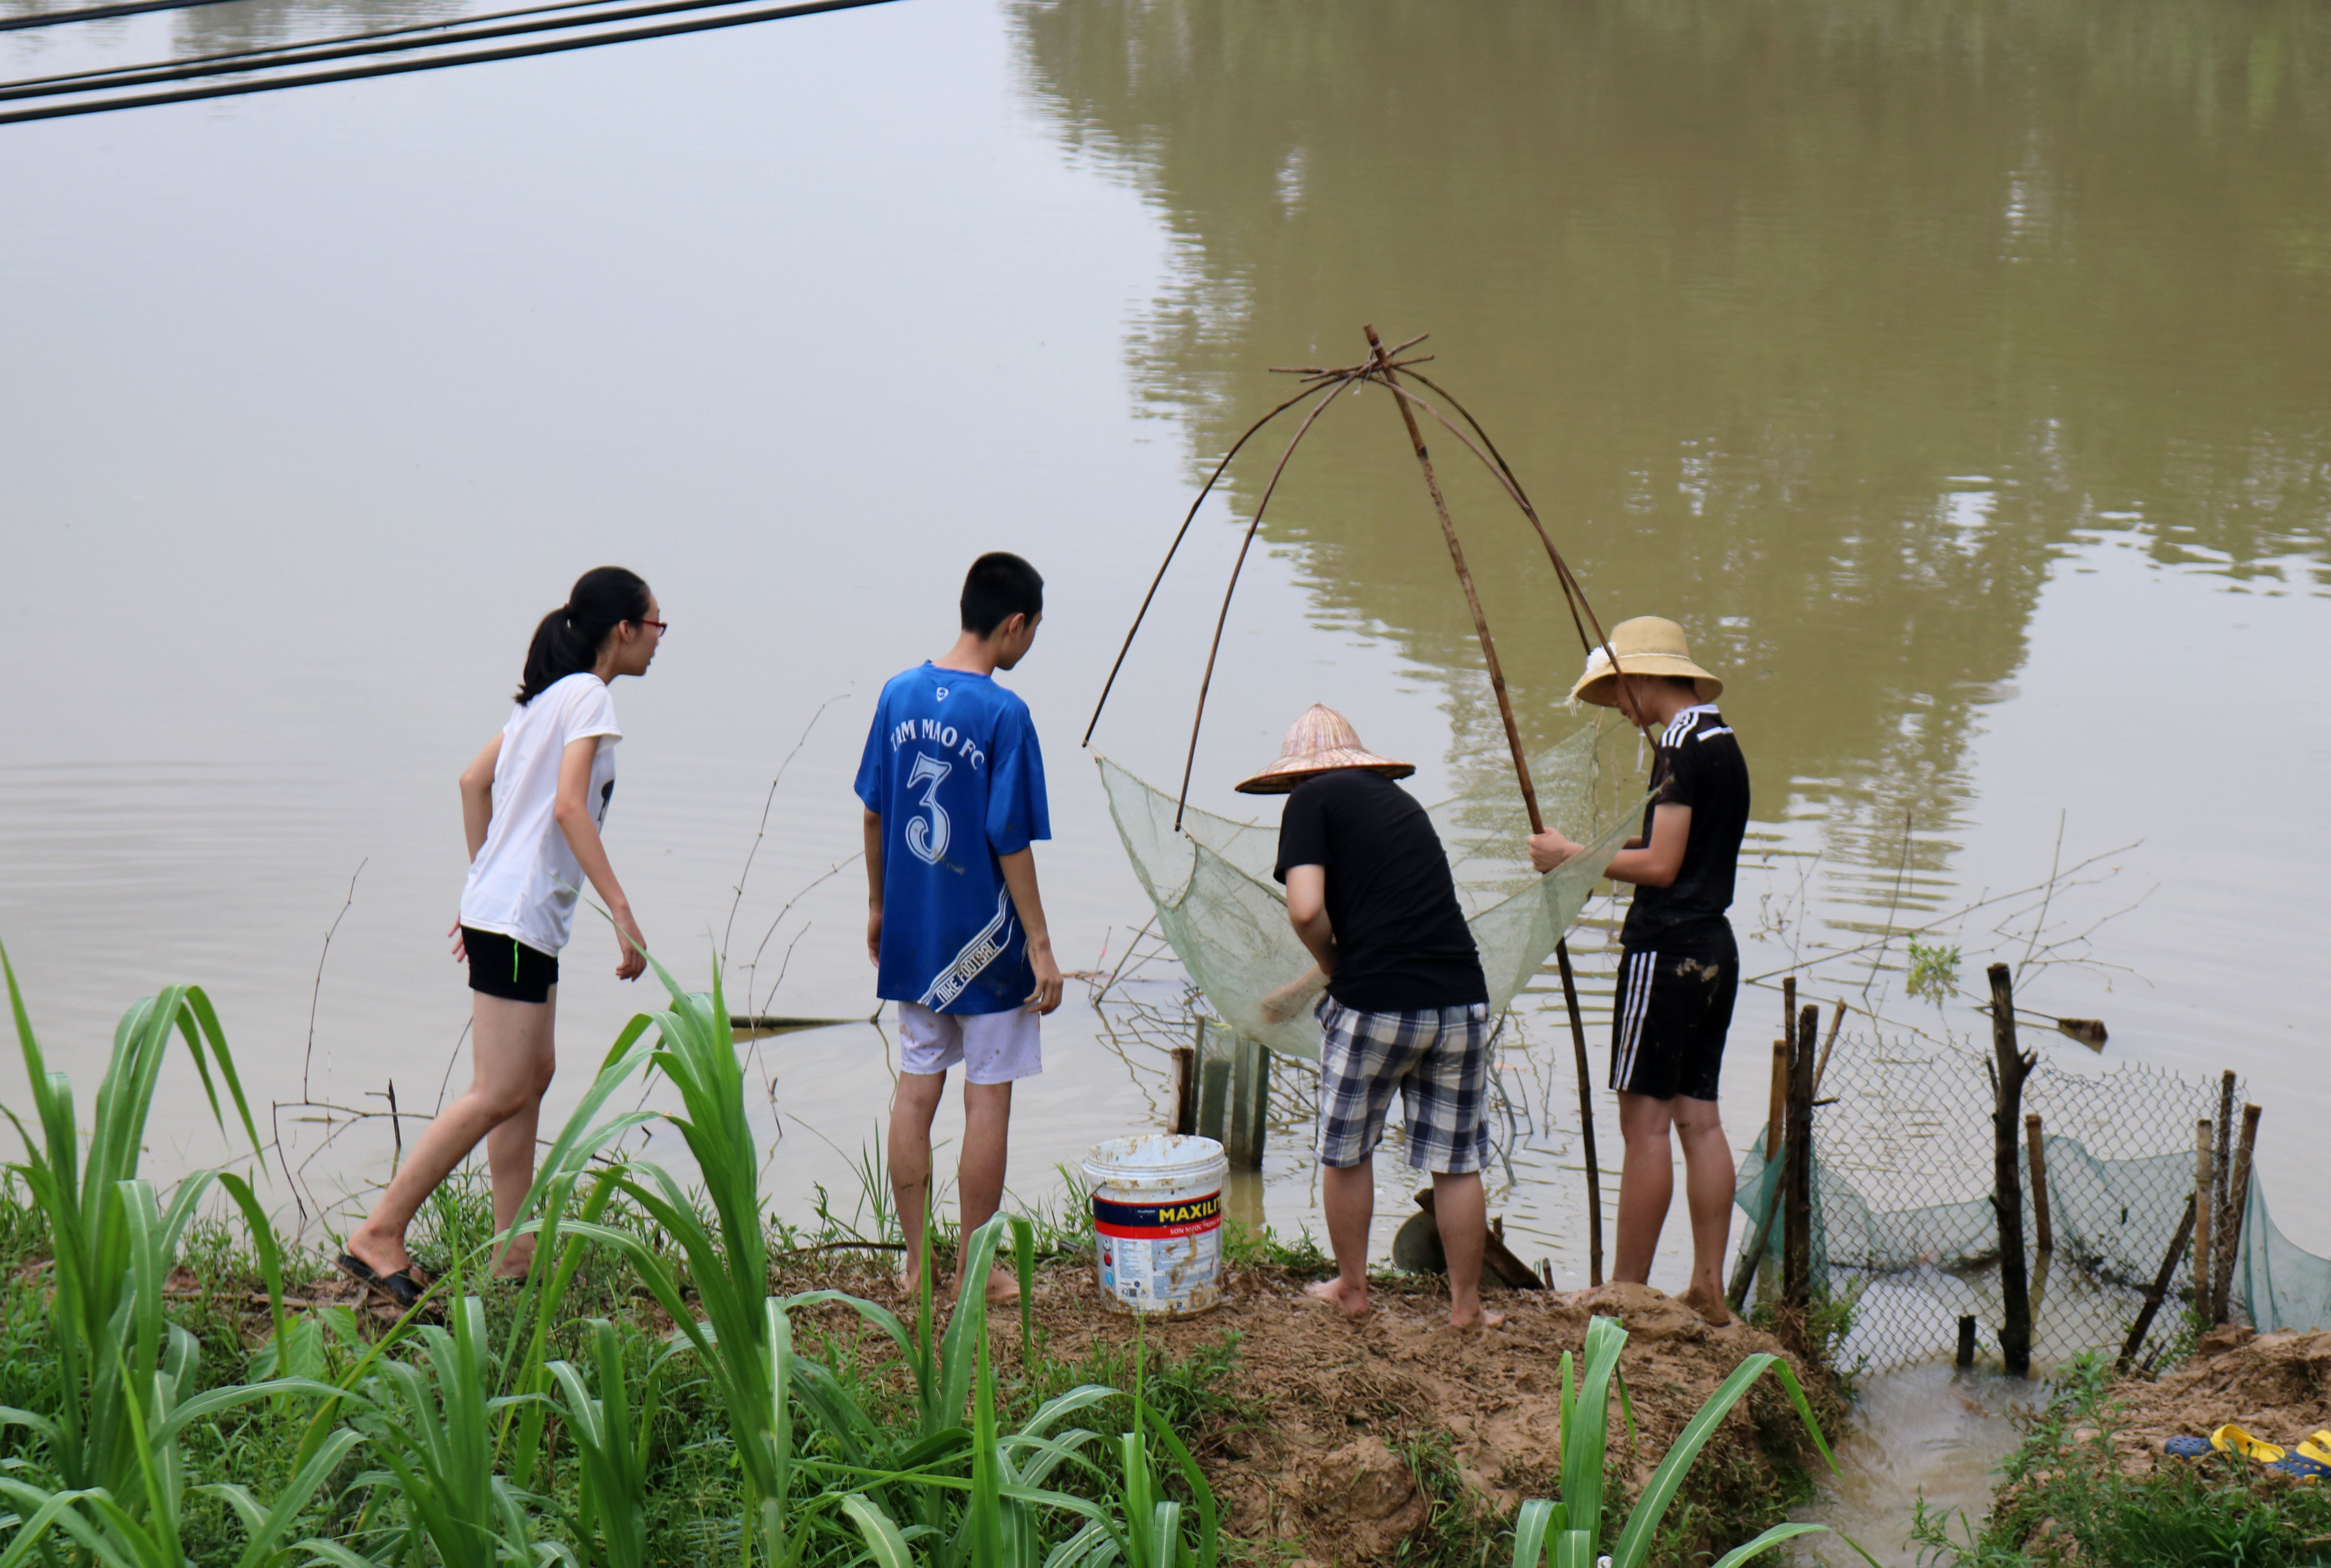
(1438, 1060)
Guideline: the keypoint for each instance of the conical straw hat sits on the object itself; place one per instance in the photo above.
(1647, 645)
(1321, 741)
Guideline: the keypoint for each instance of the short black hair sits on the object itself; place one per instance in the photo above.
(1000, 585)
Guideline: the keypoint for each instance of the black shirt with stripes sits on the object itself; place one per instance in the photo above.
(1699, 764)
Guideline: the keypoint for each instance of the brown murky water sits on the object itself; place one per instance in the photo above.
(1959, 379)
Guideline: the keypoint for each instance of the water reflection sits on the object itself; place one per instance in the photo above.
(1822, 327)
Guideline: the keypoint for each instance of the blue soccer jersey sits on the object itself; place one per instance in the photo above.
(952, 767)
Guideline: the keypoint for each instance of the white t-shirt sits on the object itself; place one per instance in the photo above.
(524, 881)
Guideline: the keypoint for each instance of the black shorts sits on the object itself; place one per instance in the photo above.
(1670, 1018)
(506, 967)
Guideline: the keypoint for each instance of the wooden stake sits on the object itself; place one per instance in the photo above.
(2230, 1248)
(1789, 1006)
(1182, 1091)
(1776, 1122)
(2044, 1232)
(2202, 1260)
(1585, 1116)
(1966, 1344)
(2152, 1297)
(1797, 1213)
(1836, 1020)
(2011, 1066)
(2221, 1213)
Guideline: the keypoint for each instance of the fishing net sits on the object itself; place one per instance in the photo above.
(2281, 1283)
(1904, 1236)
(1225, 916)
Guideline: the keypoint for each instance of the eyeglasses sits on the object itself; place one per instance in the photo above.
(661, 626)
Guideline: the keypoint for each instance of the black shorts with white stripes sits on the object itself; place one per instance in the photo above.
(1670, 1018)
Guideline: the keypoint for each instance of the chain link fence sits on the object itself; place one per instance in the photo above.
(1905, 1239)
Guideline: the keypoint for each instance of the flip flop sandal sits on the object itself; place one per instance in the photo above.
(2232, 1439)
(2188, 1448)
(2316, 1448)
(2301, 1467)
(400, 1286)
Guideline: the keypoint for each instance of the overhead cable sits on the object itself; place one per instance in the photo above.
(98, 13)
(402, 67)
(354, 48)
(260, 51)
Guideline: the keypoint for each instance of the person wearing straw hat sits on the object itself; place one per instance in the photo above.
(1679, 968)
(1369, 892)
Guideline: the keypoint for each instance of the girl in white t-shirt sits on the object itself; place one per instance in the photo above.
(532, 804)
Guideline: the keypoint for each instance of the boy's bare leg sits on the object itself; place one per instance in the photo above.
(912, 1106)
(1646, 1183)
(1708, 1193)
(986, 1139)
(509, 1148)
(506, 1041)
(1349, 1196)
(1462, 1214)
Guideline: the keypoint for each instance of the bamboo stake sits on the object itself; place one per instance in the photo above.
(2202, 1275)
(1836, 1022)
(1797, 1213)
(2232, 1247)
(2221, 1179)
(2152, 1297)
(2041, 1228)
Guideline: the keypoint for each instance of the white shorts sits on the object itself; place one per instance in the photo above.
(991, 1047)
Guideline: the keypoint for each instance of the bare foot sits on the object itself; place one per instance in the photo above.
(1709, 1306)
(1002, 1286)
(516, 1266)
(1480, 1318)
(1351, 1303)
(380, 1251)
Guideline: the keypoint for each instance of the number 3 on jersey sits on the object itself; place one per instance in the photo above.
(927, 837)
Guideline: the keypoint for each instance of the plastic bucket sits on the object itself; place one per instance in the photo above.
(1157, 1222)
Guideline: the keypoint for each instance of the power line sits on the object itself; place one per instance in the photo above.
(257, 50)
(98, 13)
(318, 51)
(402, 67)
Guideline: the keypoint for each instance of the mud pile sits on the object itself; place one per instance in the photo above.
(2276, 1386)
(1340, 1416)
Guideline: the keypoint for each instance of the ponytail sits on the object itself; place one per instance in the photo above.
(569, 638)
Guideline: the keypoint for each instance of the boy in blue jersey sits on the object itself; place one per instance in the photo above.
(953, 784)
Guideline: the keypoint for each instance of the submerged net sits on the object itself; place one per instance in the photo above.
(1226, 918)
(1904, 1236)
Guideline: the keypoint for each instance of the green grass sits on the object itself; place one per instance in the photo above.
(2063, 1500)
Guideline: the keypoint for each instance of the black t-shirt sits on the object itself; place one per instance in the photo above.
(1402, 945)
(1699, 765)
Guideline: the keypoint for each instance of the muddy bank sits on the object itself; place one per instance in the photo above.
(2275, 1386)
(1349, 1439)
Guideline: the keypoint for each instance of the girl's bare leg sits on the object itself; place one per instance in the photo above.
(509, 1049)
(509, 1148)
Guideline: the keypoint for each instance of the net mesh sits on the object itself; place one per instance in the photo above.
(1225, 917)
(1905, 1239)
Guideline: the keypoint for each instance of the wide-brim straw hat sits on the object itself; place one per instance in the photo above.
(1321, 741)
(1647, 645)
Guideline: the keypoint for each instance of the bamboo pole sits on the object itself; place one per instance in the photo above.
(2222, 1183)
(1836, 1022)
(1585, 1116)
(2202, 1260)
(2152, 1297)
(2230, 1250)
(2043, 1231)
(1751, 1255)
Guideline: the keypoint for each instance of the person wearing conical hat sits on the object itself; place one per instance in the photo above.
(1369, 892)
(1679, 968)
